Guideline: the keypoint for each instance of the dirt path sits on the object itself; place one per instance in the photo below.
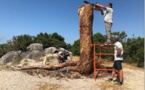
(16, 80)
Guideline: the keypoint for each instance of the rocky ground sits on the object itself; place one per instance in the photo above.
(26, 80)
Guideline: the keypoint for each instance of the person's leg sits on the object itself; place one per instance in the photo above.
(113, 73)
(120, 75)
(117, 77)
(120, 72)
(112, 76)
(108, 31)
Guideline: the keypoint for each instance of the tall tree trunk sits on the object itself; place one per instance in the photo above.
(85, 64)
(85, 28)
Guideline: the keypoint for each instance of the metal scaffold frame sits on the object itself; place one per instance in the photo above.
(99, 58)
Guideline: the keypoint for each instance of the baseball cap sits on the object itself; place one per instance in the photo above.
(116, 37)
(111, 5)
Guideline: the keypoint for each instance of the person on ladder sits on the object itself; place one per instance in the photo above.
(108, 19)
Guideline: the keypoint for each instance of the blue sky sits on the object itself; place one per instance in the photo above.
(18, 17)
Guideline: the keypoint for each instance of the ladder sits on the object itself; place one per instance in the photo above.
(96, 69)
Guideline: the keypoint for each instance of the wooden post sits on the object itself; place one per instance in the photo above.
(85, 28)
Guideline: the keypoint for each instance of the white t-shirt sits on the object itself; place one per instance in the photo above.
(118, 45)
(108, 15)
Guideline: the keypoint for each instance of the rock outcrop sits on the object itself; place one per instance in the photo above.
(10, 56)
(34, 54)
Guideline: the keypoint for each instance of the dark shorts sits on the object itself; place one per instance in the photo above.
(118, 65)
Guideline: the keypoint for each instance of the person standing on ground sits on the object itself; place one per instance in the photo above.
(108, 19)
(118, 58)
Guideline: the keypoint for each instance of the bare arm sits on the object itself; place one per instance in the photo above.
(59, 55)
(101, 6)
(119, 51)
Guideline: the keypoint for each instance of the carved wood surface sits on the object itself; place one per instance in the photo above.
(85, 29)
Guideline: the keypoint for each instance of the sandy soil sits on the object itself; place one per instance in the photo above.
(17, 80)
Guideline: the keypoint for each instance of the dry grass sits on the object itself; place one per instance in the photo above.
(15, 62)
(132, 66)
(48, 86)
(6, 67)
(111, 86)
(75, 58)
(57, 74)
